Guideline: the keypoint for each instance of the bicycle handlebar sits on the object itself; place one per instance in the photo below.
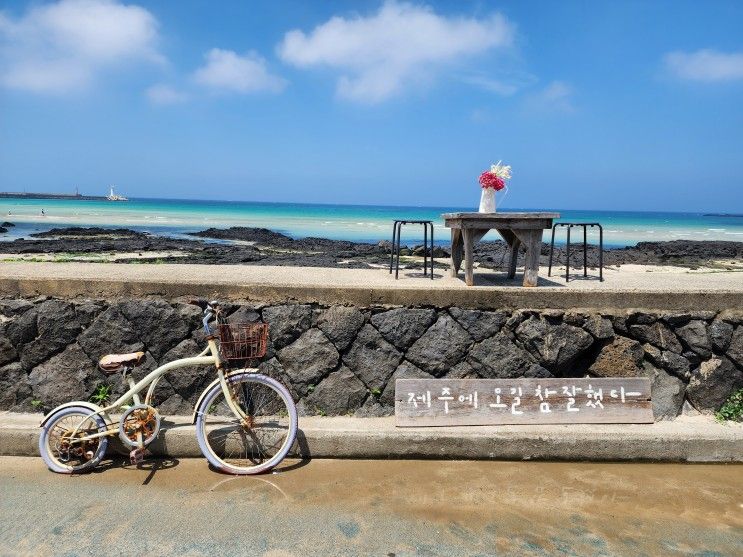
(210, 310)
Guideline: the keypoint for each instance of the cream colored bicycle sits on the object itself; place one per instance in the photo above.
(246, 422)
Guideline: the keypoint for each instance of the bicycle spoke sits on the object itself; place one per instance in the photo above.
(254, 440)
(65, 445)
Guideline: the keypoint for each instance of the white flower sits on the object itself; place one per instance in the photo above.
(501, 170)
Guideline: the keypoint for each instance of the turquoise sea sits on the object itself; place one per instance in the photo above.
(363, 223)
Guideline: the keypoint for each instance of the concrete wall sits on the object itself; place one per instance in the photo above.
(341, 359)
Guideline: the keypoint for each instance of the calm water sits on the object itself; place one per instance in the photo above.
(364, 223)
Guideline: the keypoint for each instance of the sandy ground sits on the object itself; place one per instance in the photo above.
(624, 278)
(393, 508)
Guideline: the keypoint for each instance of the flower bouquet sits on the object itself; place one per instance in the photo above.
(493, 180)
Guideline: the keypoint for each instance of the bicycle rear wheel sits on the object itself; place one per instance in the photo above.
(59, 443)
(252, 445)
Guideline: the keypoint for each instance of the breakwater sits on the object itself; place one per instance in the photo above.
(344, 359)
(63, 196)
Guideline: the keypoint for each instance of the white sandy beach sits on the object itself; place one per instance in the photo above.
(625, 278)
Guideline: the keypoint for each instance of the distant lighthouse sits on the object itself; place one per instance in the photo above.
(113, 197)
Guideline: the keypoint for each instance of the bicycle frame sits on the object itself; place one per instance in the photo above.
(209, 356)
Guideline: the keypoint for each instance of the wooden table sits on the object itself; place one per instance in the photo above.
(515, 228)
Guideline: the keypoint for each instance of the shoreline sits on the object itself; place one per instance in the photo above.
(260, 246)
(359, 223)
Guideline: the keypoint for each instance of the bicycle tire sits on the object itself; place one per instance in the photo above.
(52, 459)
(213, 420)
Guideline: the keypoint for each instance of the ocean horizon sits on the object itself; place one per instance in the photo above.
(359, 223)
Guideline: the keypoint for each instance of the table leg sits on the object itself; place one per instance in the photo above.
(392, 247)
(532, 239)
(456, 251)
(431, 251)
(601, 253)
(469, 248)
(513, 257)
(585, 251)
(567, 256)
(425, 248)
(552, 249)
(513, 249)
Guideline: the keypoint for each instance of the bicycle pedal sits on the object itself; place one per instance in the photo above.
(136, 456)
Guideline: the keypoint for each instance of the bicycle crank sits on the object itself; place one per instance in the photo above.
(136, 456)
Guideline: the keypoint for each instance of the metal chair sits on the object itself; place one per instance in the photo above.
(585, 225)
(395, 248)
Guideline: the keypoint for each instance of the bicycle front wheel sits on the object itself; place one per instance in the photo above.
(254, 443)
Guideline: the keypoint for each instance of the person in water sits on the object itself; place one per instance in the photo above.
(43, 214)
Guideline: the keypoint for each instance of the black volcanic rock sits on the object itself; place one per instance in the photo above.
(274, 248)
(244, 233)
(90, 232)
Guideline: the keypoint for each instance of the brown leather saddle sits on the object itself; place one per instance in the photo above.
(113, 363)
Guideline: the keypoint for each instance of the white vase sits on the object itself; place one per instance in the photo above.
(487, 200)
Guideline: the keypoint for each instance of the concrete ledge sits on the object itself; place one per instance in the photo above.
(685, 439)
(480, 297)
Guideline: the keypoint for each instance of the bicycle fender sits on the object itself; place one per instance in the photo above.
(212, 385)
(84, 404)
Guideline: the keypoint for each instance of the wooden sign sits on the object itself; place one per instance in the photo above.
(449, 402)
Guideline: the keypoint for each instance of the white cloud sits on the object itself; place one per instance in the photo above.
(705, 65)
(557, 96)
(61, 46)
(226, 71)
(165, 94)
(400, 45)
(506, 85)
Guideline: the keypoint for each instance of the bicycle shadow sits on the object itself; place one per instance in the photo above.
(152, 463)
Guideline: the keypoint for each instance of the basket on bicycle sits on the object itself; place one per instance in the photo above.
(243, 341)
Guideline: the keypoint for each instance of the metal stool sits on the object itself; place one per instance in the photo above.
(395, 249)
(585, 226)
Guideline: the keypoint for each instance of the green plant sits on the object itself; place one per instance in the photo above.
(36, 404)
(100, 394)
(376, 392)
(732, 410)
(310, 388)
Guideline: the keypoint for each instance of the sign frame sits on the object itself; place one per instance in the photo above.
(467, 402)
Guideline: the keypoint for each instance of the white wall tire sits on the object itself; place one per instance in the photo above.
(235, 448)
(65, 419)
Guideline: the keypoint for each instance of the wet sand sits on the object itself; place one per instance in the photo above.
(396, 508)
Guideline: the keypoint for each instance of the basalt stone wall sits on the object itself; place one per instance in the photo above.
(344, 360)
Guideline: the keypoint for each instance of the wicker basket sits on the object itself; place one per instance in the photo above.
(243, 341)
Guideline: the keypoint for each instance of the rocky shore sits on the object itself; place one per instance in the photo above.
(259, 246)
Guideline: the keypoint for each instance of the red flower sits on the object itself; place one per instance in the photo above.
(490, 180)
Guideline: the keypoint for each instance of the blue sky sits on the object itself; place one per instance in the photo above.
(596, 105)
